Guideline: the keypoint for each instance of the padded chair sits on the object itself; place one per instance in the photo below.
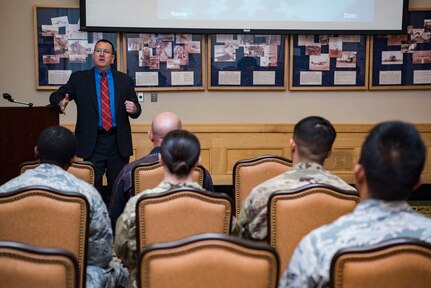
(248, 173)
(180, 213)
(47, 218)
(82, 169)
(292, 214)
(396, 263)
(149, 175)
(23, 265)
(208, 260)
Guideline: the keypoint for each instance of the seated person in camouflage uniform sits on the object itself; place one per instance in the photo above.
(56, 148)
(161, 124)
(310, 146)
(389, 170)
(179, 154)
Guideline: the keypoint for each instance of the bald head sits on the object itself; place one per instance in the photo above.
(163, 123)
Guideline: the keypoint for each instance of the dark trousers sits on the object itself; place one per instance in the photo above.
(107, 158)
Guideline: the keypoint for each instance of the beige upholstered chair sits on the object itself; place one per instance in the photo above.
(208, 260)
(24, 265)
(82, 169)
(180, 213)
(47, 218)
(396, 263)
(248, 173)
(292, 214)
(149, 175)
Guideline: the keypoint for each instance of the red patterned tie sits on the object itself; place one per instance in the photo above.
(106, 107)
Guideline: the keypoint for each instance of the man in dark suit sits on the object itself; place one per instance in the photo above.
(105, 98)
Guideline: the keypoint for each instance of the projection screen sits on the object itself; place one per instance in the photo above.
(236, 16)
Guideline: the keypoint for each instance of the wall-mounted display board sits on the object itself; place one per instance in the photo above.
(403, 61)
(328, 62)
(164, 61)
(60, 48)
(247, 62)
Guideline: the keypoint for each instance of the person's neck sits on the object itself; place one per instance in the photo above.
(296, 160)
(173, 179)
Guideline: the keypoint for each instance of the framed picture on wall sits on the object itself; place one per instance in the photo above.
(60, 48)
(403, 61)
(164, 61)
(328, 62)
(247, 62)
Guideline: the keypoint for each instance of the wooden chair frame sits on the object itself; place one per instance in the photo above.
(242, 187)
(397, 249)
(285, 234)
(77, 168)
(23, 254)
(174, 196)
(201, 243)
(33, 221)
(155, 176)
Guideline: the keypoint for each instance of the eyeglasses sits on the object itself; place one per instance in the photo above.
(106, 51)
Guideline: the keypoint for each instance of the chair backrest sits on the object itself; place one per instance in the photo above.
(248, 173)
(149, 175)
(46, 217)
(292, 214)
(24, 265)
(180, 213)
(208, 260)
(400, 262)
(82, 169)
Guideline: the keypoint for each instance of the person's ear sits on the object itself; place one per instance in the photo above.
(150, 135)
(359, 173)
(420, 181)
(113, 59)
(36, 152)
(292, 145)
(361, 182)
(329, 153)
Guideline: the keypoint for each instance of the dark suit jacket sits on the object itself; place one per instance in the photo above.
(81, 88)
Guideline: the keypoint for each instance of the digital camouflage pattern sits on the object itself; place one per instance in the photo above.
(100, 272)
(252, 219)
(371, 222)
(125, 246)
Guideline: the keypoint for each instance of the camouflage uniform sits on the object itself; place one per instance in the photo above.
(100, 273)
(252, 219)
(371, 222)
(125, 231)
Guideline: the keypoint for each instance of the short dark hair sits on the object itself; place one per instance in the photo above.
(393, 156)
(180, 151)
(56, 145)
(106, 41)
(314, 136)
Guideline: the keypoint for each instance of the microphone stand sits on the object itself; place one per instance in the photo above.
(9, 98)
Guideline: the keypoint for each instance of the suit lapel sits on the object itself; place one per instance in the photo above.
(117, 88)
(91, 82)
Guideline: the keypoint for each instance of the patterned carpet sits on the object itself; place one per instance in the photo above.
(422, 207)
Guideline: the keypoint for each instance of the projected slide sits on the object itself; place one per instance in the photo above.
(241, 16)
(268, 10)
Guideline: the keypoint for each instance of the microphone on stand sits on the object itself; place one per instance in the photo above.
(9, 98)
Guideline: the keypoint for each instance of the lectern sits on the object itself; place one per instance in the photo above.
(19, 130)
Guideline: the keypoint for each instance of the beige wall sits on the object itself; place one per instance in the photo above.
(17, 77)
